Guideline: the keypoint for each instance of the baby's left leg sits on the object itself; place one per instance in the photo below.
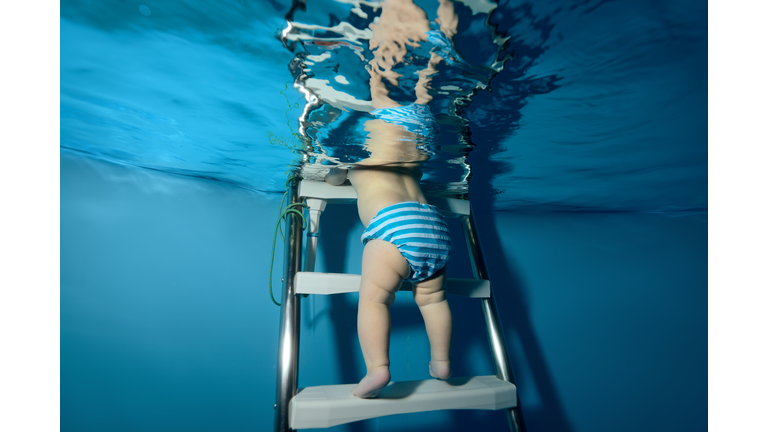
(433, 304)
(384, 269)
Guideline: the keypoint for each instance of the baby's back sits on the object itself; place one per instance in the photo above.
(382, 186)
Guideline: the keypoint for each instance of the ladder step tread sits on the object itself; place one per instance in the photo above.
(327, 406)
(339, 283)
(453, 207)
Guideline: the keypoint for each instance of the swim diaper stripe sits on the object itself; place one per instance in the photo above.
(415, 118)
(419, 232)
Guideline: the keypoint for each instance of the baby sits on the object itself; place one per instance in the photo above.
(405, 239)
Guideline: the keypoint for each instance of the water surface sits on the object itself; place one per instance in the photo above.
(601, 107)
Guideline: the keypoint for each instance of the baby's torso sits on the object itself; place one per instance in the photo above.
(379, 187)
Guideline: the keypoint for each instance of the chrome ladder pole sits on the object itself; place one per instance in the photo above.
(493, 324)
(288, 344)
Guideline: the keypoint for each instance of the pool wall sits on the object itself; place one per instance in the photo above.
(166, 323)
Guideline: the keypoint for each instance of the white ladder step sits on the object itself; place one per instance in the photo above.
(326, 191)
(326, 406)
(339, 283)
(346, 194)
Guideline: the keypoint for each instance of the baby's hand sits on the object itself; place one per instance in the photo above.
(336, 176)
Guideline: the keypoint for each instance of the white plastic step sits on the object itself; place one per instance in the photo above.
(339, 283)
(346, 194)
(326, 191)
(327, 406)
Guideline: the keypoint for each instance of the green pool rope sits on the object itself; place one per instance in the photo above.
(282, 214)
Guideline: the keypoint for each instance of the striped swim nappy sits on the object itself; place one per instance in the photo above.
(415, 118)
(420, 233)
(443, 46)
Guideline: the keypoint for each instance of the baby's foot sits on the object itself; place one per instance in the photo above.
(440, 369)
(373, 382)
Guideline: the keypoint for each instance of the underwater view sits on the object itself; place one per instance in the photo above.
(578, 130)
(540, 106)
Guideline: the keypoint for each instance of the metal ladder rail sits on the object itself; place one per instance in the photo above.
(288, 348)
(288, 343)
(496, 340)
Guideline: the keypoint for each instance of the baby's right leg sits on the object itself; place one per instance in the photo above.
(433, 304)
(382, 274)
(379, 92)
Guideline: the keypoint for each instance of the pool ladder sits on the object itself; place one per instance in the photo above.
(326, 406)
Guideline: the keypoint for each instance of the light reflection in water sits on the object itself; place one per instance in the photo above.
(383, 83)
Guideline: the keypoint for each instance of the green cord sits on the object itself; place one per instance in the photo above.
(291, 208)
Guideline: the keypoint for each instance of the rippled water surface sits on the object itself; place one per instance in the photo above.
(557, 105)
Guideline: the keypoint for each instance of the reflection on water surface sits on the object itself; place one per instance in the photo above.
(389, 75)
(603, 106)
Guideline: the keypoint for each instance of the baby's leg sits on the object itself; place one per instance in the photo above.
(383, 271)
(431, 298)
(422, 86)
(379, 93)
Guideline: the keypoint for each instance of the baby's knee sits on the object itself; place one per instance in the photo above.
(376, 294)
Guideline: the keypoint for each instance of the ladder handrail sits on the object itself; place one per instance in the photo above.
(288, 342)
(496, 339)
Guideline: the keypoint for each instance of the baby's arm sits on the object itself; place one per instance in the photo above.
(336, 176)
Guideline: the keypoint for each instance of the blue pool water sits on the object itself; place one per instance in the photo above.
(602, 106)
(174, 113)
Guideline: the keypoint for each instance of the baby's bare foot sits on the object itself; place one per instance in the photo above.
(440, 369)
(373, 382)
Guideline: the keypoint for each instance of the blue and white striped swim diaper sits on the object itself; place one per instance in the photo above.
(414, 118)
(420, 233)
